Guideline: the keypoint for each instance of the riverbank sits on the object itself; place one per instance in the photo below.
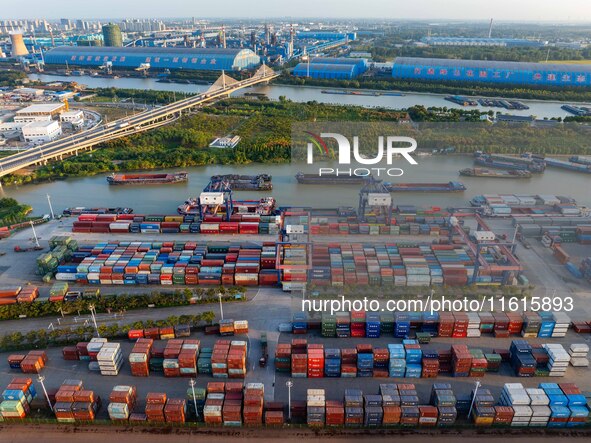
(305, 94)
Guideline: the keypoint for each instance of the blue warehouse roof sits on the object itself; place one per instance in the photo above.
(207, 59)
(321, 70)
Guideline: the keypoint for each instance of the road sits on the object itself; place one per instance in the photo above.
(22, 434)
(140, 122)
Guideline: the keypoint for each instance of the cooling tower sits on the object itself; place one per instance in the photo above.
(18, 45)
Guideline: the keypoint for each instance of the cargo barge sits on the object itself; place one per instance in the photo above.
(362, 93)
(579, 111)
(426, 187)
(571, 166)
(329, 179)
(488, 173)
(580, 160)
(528, 163)
(502, 103)
(147, 179)
(260, 182)
(79, 210)
(462, 101)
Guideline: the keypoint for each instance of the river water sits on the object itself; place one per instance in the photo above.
(94, 191)
(541, 109)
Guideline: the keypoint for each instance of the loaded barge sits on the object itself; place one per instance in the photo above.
(426, 187)
(260, 182)
(489, 173)
(462, 101)
(570, 165)
(79, 210)
(147, 179)
(525, 163)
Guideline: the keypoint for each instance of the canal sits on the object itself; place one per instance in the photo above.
(541, 109)
(94, 191)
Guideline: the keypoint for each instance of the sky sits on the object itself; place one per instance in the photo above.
(515, 10)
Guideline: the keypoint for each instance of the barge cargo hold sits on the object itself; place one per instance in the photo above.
(147, 179)
(462, 101)
(426, 187)
(329, 179)
(488, 173)
(260, 182)
(571, 166)
(507, 162)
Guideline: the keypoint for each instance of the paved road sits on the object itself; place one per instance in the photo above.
(22, 434)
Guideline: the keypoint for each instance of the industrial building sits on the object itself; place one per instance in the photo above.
(331, 68)
(112, 35)
(41, 131)
(325, 35)
(517, 73)
(43, 112)
(498, 42)
(205, 59)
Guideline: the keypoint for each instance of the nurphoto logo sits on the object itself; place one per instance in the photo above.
(388, 147)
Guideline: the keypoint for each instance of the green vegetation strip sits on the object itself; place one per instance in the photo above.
(120, 303)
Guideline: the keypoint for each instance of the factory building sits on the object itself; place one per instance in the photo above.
(516, 73)
(331, 68)
(481, 42)
(41, 131)
(325, 35)
(203, 59)
(112, 35)
(35, 113)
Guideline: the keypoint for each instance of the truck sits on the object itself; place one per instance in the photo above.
(264, 352)
(18, 248)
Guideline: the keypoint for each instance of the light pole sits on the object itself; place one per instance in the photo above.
(221, 307)
(41, 379)
(91, 307)
(192, 383)
(473, 399)
(289, 385)
(35, 235)
(50, 207)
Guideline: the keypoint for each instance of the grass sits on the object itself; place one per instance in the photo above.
(569, 62)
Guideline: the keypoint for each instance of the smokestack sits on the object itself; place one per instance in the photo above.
(490, 28)
(18, 44)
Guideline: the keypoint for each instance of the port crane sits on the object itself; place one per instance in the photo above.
(375, 196)
(215, 195)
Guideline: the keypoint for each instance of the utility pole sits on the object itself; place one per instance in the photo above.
(41, 379)
(50, 207)
(473, 399)
(221, 307)
(289, 385)
(35, 235)
(192, 383)
(92, 312)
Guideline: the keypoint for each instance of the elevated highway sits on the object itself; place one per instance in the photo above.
(143, 121)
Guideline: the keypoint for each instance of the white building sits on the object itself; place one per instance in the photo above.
(42, 131)
(33, 92)
(225, 142)
(35, 113)
(74, 118)
(11, 126)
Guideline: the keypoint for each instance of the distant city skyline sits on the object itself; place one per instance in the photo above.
(514, 10)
